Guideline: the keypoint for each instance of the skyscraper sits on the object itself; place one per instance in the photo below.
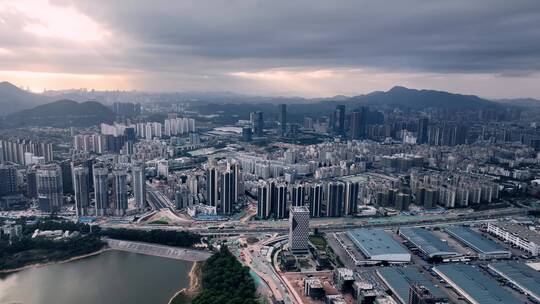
(423, 130)
(263, 201)
(359, 123)
(339, 120)
(335, 197)
(120, 192)
(139, 185)
(227, 192)
(298, 195)
(257, 123)
(282, 112)
(101, 189)
(279, 201)
(80, 186)
(351, 198)
(49, 188)
(315, 199)
(8, 180)
(212, 189)
(299, 230)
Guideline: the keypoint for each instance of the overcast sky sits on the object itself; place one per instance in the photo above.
(311, 48)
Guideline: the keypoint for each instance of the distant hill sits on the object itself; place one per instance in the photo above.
(63, 113)
(520, 102)
(417, 99)
(13, 99)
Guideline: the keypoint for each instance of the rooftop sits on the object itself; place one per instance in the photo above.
(475, 240)
(427, 242)
(376, 242)
(399, 280)
(523, 231)
(520, 275)
(474, 285)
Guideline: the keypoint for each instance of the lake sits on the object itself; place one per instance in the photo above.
(112, 277)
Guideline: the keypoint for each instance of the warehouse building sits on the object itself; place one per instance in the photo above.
(430, 245)
(516, 234)
(473, 285)
(377, 245)
(520, 275)
(486, 248)
(399, 280)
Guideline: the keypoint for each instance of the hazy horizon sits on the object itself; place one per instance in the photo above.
(311, 49)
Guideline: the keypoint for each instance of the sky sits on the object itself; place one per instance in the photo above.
(310, 48)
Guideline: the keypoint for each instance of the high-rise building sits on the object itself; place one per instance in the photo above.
(101, 189)
(334, 199)
(257, 123)
(8, 180)
(212, 187)
(423, 124)
(351, 198)
(247, 134)
(181, 198)
(120, 192)
(139, 185)
(49, 187)
(279, 201)
(31, 184)
(339, 120)
(315, 199)
(67, 176)
(359, 123)
(263, 201)
(80, 185)
(299, 230)
(282, 112)
(298, 195)
(227, 192)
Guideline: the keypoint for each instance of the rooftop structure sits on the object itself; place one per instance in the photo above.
(473, 285)
(399, 280)
(485, 247)
(522, 276)
(377, 245)
(429, 244)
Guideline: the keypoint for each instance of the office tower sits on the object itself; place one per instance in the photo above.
(298, 195)
(67, 176)
(419, 294)
(351, 198)
(236, 182)
(339, 120)
(359, 123)
(315, 199)
(120, 192)
(8, 180)
(49, 188)
(80, 186)
(423, 130)
(335, 197)
(247, 134)
(257, 123)
(101, 189)
(299, 230)
(31, 184)
(263, 201)
(138, 178)
(279, 201)
(181, 198)
(227, 193)
(282, 112)
(212, 184)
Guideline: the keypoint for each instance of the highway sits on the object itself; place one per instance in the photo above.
(159, 250)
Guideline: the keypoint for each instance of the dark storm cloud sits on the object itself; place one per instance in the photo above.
(434, 36)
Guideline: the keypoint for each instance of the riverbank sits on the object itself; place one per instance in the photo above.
(38, 265)
(186, 295)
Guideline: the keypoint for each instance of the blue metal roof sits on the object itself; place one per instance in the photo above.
(375, 242)
(475, 240)
(427, 242)
(521, 275)
(475, 285)
(400, 279)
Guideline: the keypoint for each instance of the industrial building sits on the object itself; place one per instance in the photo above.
(520, 275)
(486, 248)
(516, 234)
(473, 285)
(377, 245)
(429, 244)
(399, 280)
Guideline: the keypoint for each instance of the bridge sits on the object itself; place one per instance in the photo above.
(185, 254)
